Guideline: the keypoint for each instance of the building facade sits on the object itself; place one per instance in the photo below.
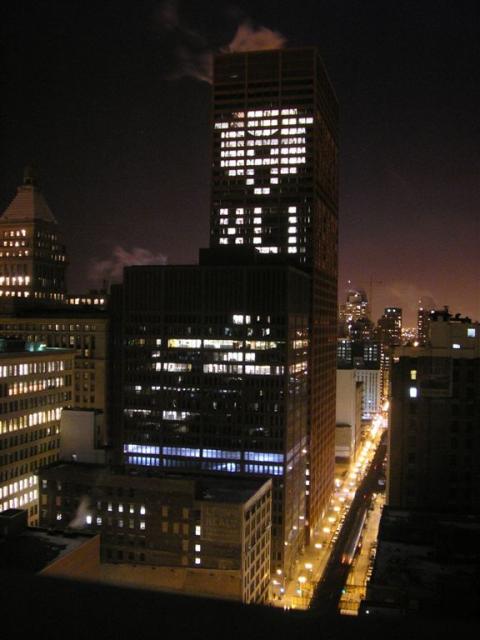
(215, 379)
(210, 528)
(35, 385)
(435, 413)
(349, 415)
(275, 188)
(86, 334)
(32, 256)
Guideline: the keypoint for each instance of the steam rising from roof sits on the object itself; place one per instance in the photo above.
(248, 38)
(193, 54)
(111, 269)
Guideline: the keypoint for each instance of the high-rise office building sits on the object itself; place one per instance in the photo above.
(216, 378)
(434, 435)
(390, 327)
(32, 256)
(426, 306)
(274, 187)
(354, 316)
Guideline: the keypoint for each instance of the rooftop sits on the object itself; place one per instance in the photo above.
(34, 549)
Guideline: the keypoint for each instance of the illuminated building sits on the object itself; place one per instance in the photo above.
(216, 377)
(32, 256)
(93, 299)
(434, 435)
(348, 431)
(274, 188)
(390, 327)
(82, 330)
(35, 385)
(354, 316)
(426, 307)
(212, 536)
(366, 359)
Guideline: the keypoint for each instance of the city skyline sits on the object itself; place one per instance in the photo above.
(111, 120)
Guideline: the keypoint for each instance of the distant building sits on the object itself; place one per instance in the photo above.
(434, 435)
(35, 385)
(365, 358)
(32, 256)
(355, 307)
(349, 415)
(426, 306)
(212, 534)
(389, 327)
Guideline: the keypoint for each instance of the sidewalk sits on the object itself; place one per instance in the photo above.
(298, 591)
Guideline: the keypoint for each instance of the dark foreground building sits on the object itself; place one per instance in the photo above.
(211, 536)
(435, 436)
(215, 372)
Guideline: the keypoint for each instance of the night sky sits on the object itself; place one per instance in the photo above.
(102, 97)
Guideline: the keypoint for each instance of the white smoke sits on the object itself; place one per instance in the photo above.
(79, 519)
(111, 269)
(193, 56)
(406, 295)
(248, 38)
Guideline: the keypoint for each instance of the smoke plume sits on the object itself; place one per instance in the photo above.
(192, 54)
(406, 295)
(78, 521)
(111, 269)
(248, 38)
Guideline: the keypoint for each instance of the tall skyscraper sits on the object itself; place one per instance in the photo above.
(274, 187)
(32, 256)
(229, 367)
(390, 326)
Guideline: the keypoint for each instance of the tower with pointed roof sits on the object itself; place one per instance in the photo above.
(32, 255)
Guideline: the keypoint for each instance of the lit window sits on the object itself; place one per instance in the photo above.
(257, 240)
(471, 332)
(292, 239)
(292, 209)
(198, 548)
(413, 392)
(198, 561)
(231, 231)
(455, 345)
(88, 519)
(142, 525)
(413, 374)
(198, 530)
